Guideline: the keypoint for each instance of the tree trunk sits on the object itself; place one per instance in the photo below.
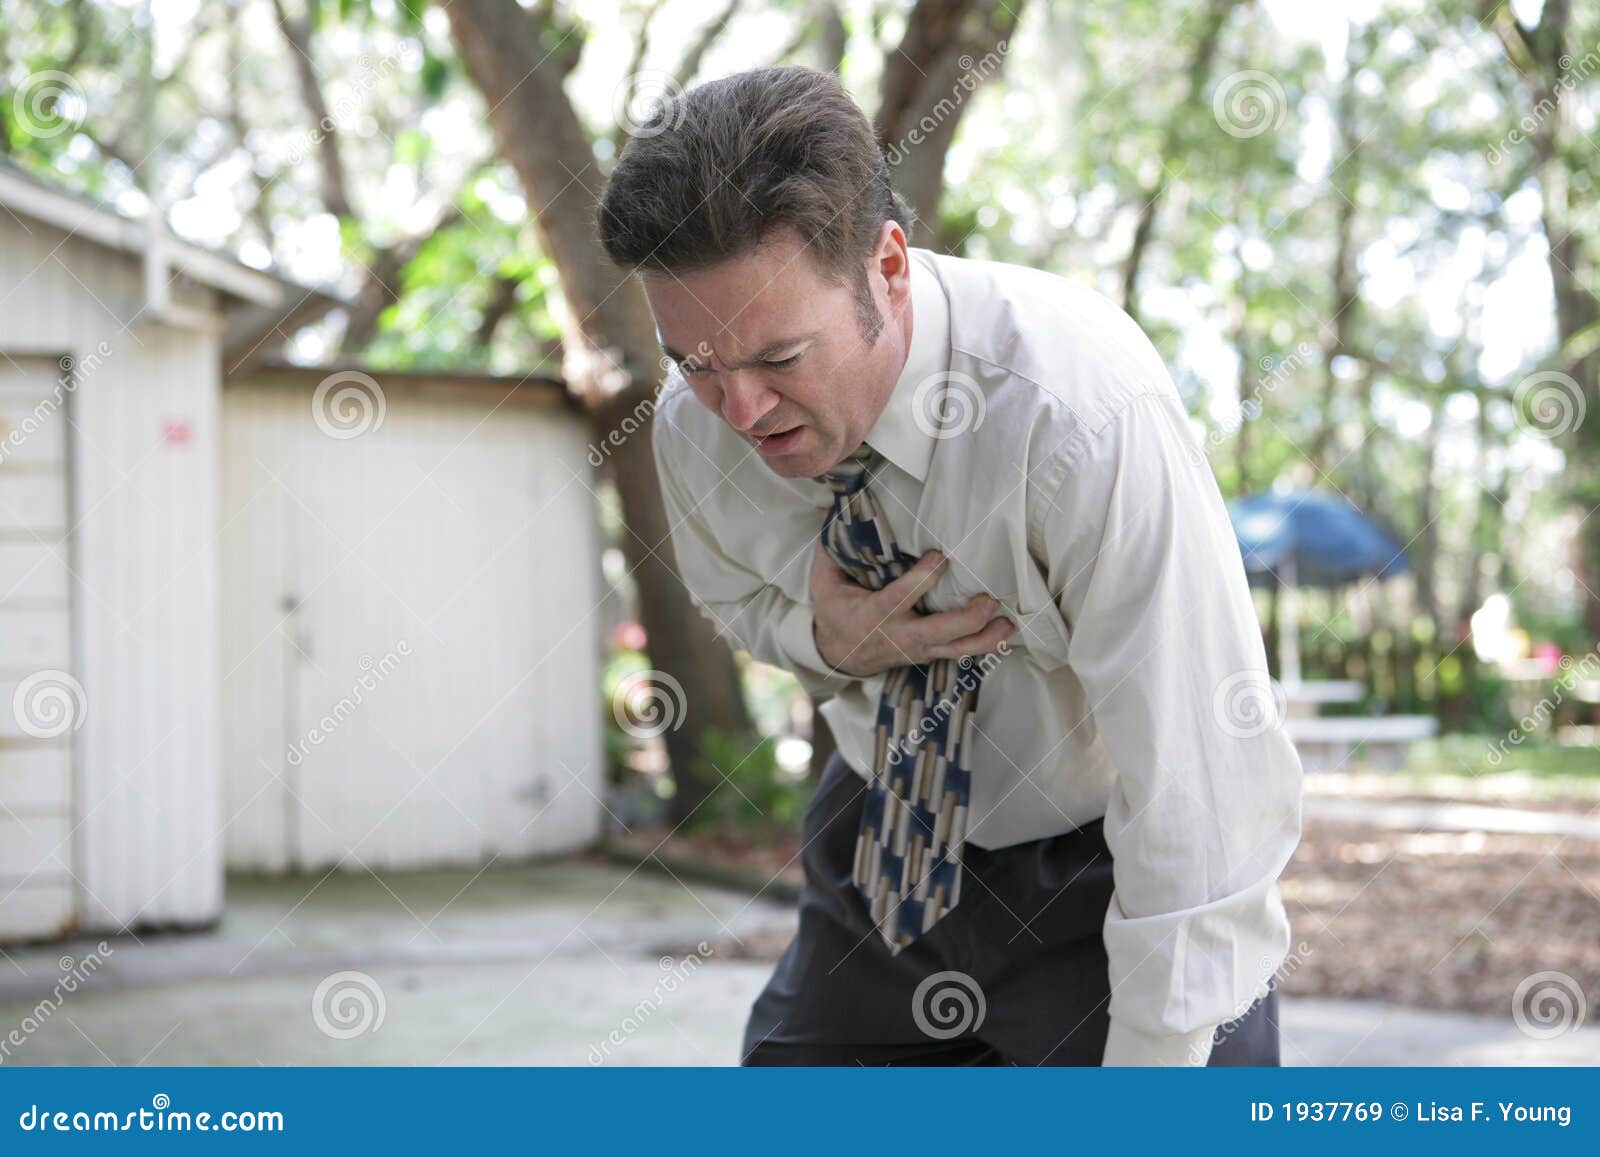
(610, 350)
(1201, 63)
(949, 49)
(1538, 53)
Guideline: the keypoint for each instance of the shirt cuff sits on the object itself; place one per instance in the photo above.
(799, 643)
(1129, 1046)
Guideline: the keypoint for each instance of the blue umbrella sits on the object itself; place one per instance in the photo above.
(1311, 539)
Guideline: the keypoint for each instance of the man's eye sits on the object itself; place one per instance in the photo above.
(783, 363)
(690, 368)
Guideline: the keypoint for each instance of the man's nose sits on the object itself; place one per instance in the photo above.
(745, 401)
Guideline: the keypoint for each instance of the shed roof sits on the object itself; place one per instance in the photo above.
(257, 302)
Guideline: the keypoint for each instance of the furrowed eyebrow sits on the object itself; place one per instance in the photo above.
(762, 355)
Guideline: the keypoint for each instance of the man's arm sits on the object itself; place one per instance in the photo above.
(1205, 809)
(758, 616)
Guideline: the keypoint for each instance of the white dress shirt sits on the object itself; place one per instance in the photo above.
(1036, 438)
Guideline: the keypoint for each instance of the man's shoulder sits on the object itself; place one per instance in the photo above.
(1062, 337)
(681, 424)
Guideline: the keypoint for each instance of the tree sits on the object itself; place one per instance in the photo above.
(611, 357)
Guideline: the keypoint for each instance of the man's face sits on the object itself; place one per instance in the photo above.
(781, 354)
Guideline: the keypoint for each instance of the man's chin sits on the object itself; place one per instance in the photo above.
(794, 465)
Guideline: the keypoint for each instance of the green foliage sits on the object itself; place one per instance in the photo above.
(752, 791)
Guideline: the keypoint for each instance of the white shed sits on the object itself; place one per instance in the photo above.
(246, 627)
(112, 340)
(413, 604)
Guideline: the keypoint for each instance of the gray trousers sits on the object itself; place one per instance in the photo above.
(1016, 973)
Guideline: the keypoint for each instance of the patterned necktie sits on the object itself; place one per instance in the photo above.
(908, 852)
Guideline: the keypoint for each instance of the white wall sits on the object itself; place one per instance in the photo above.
(449, 555)
(145, 846)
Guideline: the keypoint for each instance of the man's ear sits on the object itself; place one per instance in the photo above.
(891, 259)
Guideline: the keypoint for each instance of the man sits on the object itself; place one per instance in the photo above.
(1064, 847)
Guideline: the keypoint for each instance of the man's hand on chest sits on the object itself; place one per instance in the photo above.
(863, 632)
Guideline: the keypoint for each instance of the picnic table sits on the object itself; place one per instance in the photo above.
(1331, 742)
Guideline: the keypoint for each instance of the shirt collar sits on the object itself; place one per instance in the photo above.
(904, 432)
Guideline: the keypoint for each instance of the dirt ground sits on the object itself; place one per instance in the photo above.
(1428, 919)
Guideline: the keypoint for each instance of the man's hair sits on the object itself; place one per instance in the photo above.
(717, 170)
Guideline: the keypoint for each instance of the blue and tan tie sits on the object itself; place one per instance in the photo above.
(908, 852)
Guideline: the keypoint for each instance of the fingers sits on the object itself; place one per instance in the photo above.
(907, 590)
(947, 626)
(981, 643)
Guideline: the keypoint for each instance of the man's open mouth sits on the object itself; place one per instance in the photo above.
(778, 442)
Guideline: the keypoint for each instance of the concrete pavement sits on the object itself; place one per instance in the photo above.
(573, 962)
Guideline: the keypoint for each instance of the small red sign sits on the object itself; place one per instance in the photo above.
(175, 432)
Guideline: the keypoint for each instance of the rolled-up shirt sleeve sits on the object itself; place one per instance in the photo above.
(1204, 811)
(746, 609)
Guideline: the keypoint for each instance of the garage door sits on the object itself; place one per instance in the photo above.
(410, 640)
(41, 703)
